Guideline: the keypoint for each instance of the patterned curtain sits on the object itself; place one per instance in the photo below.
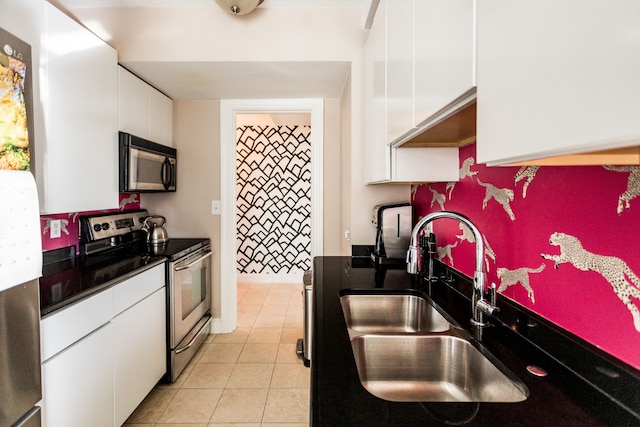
(273, 176)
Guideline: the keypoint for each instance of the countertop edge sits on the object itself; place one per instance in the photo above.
(99, 288)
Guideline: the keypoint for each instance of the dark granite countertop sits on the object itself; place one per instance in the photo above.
(71, 278)
(584, 387)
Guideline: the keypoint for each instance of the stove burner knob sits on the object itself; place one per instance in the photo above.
(96, 227)
(105, 226)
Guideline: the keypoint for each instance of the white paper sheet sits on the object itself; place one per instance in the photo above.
(20, 241)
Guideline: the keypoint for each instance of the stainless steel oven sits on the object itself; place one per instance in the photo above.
(115, 244)
(189, 281)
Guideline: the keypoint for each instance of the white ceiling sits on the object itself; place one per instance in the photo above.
(71, 4)
(234, 80)
(244, 80)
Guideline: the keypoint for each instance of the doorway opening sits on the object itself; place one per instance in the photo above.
(234, 114)
(273, 197)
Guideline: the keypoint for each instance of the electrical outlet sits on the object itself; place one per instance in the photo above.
(54, 228)
(215, 207)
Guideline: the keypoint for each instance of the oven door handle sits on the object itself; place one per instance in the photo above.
(193, 340)
(191, 264)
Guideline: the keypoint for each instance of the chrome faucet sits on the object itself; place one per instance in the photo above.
(479, 305)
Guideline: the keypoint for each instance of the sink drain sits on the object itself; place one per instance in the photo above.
(537, 371)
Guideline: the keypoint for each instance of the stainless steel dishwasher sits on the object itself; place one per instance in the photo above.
(303, 347)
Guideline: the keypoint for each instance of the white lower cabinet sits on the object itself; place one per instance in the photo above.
(140, 353)
(78, 383)
(103, 355)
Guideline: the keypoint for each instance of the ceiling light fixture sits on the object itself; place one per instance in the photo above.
(239, 7)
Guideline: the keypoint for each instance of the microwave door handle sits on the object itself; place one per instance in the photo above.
(165, 173)
(191, 264)
(171, 172)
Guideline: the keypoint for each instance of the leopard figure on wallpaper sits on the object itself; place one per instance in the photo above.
(437, 197)
(613, 269)
(465, 170)
(449, 188)
(467, 236)
(528, 173)
(488, 252)
(633, 186)
(520, 275)
(445, 252)
(504, 196)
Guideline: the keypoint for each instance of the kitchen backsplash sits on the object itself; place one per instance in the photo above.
(560, 241)
(70, 228)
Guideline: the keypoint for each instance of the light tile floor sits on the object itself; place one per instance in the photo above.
(249, 378)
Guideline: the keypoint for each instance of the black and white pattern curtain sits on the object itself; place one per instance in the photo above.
(273, 176)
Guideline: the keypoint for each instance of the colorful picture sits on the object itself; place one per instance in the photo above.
(16, 133)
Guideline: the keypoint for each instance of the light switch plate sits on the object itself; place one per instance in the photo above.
(215, 207)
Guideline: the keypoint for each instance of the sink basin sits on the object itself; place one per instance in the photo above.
(431, 368)
(390, 313)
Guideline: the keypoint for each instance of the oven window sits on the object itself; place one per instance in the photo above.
(194, 290)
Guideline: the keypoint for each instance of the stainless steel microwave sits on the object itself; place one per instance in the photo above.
(146, 166)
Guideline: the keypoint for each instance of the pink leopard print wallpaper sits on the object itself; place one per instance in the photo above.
(560, 241)
(70, 228)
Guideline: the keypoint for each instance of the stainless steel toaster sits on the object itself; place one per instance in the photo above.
(393, 224)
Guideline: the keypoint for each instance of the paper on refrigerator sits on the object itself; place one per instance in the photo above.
(20, 241)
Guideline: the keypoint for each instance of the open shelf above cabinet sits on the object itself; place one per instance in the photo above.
(456, 130)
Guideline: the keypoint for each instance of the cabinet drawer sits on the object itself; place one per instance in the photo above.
(137, 288)
(78, 383)
(66, 326)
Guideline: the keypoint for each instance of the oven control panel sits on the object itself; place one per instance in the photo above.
(105, 226)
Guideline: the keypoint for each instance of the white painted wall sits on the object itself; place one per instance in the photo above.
(196, 131)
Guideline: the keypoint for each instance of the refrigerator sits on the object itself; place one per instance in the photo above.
(20, 269)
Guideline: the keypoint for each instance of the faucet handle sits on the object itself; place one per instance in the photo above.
(493, 292)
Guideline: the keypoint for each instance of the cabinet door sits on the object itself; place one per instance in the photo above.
(444, 54)
(78, 156)
(556, 78)
(140, 352)
(160, 118)
(133, 103)
(400, 53)
(377, 153)
(426, 164)
(78, 383)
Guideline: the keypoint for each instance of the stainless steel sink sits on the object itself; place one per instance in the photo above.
(379, 312)
(431, 368)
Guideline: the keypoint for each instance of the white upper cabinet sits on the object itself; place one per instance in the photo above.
(160, 118)
(557, 78)
(133, 104)
(445, 55)
(400, 68)
(389, 94)
(77, 159)
(376, 151)
(143, 110)
(430, 66)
